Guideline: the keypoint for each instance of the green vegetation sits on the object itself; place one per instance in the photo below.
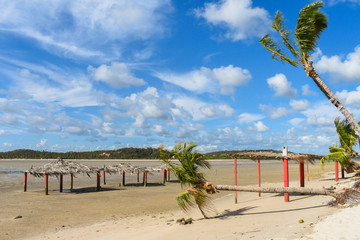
(188, 173)
(348, 139)
(123, 153)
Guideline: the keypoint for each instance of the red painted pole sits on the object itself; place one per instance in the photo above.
(235, 172)
(61, 183)
(145, 179)
(307, 170)
(104, 177)
(137, 176)
(259, 176)
(286, 178)
(46, 184)
(25, 181)
(164, 176)
(98, 181)
(302, 174)
(71, 181)
(342, 173)
(336, 171)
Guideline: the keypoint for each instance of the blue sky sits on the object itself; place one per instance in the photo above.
(87, 74)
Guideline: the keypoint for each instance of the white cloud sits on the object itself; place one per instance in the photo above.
(299, 105)
(248, 117)
(225, 79)
(306, 91)
(338, 68)
(42, 143)
(281, 86)
(117, 75)
(350, 98)
(239, 18)
(199, 110)
(272, 112)
(333, 2)
(259, 127)
(79, 27)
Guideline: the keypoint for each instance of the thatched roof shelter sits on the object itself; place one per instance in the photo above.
(278, 155)
(127, 167)
(62, 167)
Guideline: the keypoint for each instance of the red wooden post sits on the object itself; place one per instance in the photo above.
(286, 178)
(61, 183)
(46, 184)
(301, 174)
(145, 179)
(259, 176)
(336, 171)
(164, 176)
(104, 177)
(342, 173)
(98, 181)
(235, 172)
(307, 170)
(123, 178)
(25, 181)
(71, 181)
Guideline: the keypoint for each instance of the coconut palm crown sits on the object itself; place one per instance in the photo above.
(348, 139)
(188, 173)
(310, 24)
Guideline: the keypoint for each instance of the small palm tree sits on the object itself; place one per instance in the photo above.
(188, 173)
(348, 139)
(310, 24)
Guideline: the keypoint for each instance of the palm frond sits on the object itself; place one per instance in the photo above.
(276, 50)
(342, 157)
(285, 34)
(310, 24)
(184, 200)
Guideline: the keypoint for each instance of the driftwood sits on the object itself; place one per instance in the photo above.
(350, 196)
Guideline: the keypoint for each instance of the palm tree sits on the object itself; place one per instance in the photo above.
(347, 139)
(310, 24)
(188, 173)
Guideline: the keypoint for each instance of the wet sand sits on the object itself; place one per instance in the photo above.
(134, 207)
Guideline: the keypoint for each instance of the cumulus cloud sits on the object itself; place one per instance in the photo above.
(225, 79)
(42, 143)
(117, 75)
(306, 90)
(281, 86)
(299, 105)
(249, 117)
(79, 27)
(259, 127)
(240, 19)
(199, 110)
(273, 112)
(350, 98)
(341, 68)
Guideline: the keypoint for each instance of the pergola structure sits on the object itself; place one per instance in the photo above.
(61, 167)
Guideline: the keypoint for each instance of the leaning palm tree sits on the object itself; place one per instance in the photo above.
(348, 139)
(189, 175)
(310, 24)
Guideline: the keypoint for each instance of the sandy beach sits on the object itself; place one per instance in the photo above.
(136, 212)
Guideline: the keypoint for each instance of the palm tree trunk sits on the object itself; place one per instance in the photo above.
(310, 71)
(308, 191)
